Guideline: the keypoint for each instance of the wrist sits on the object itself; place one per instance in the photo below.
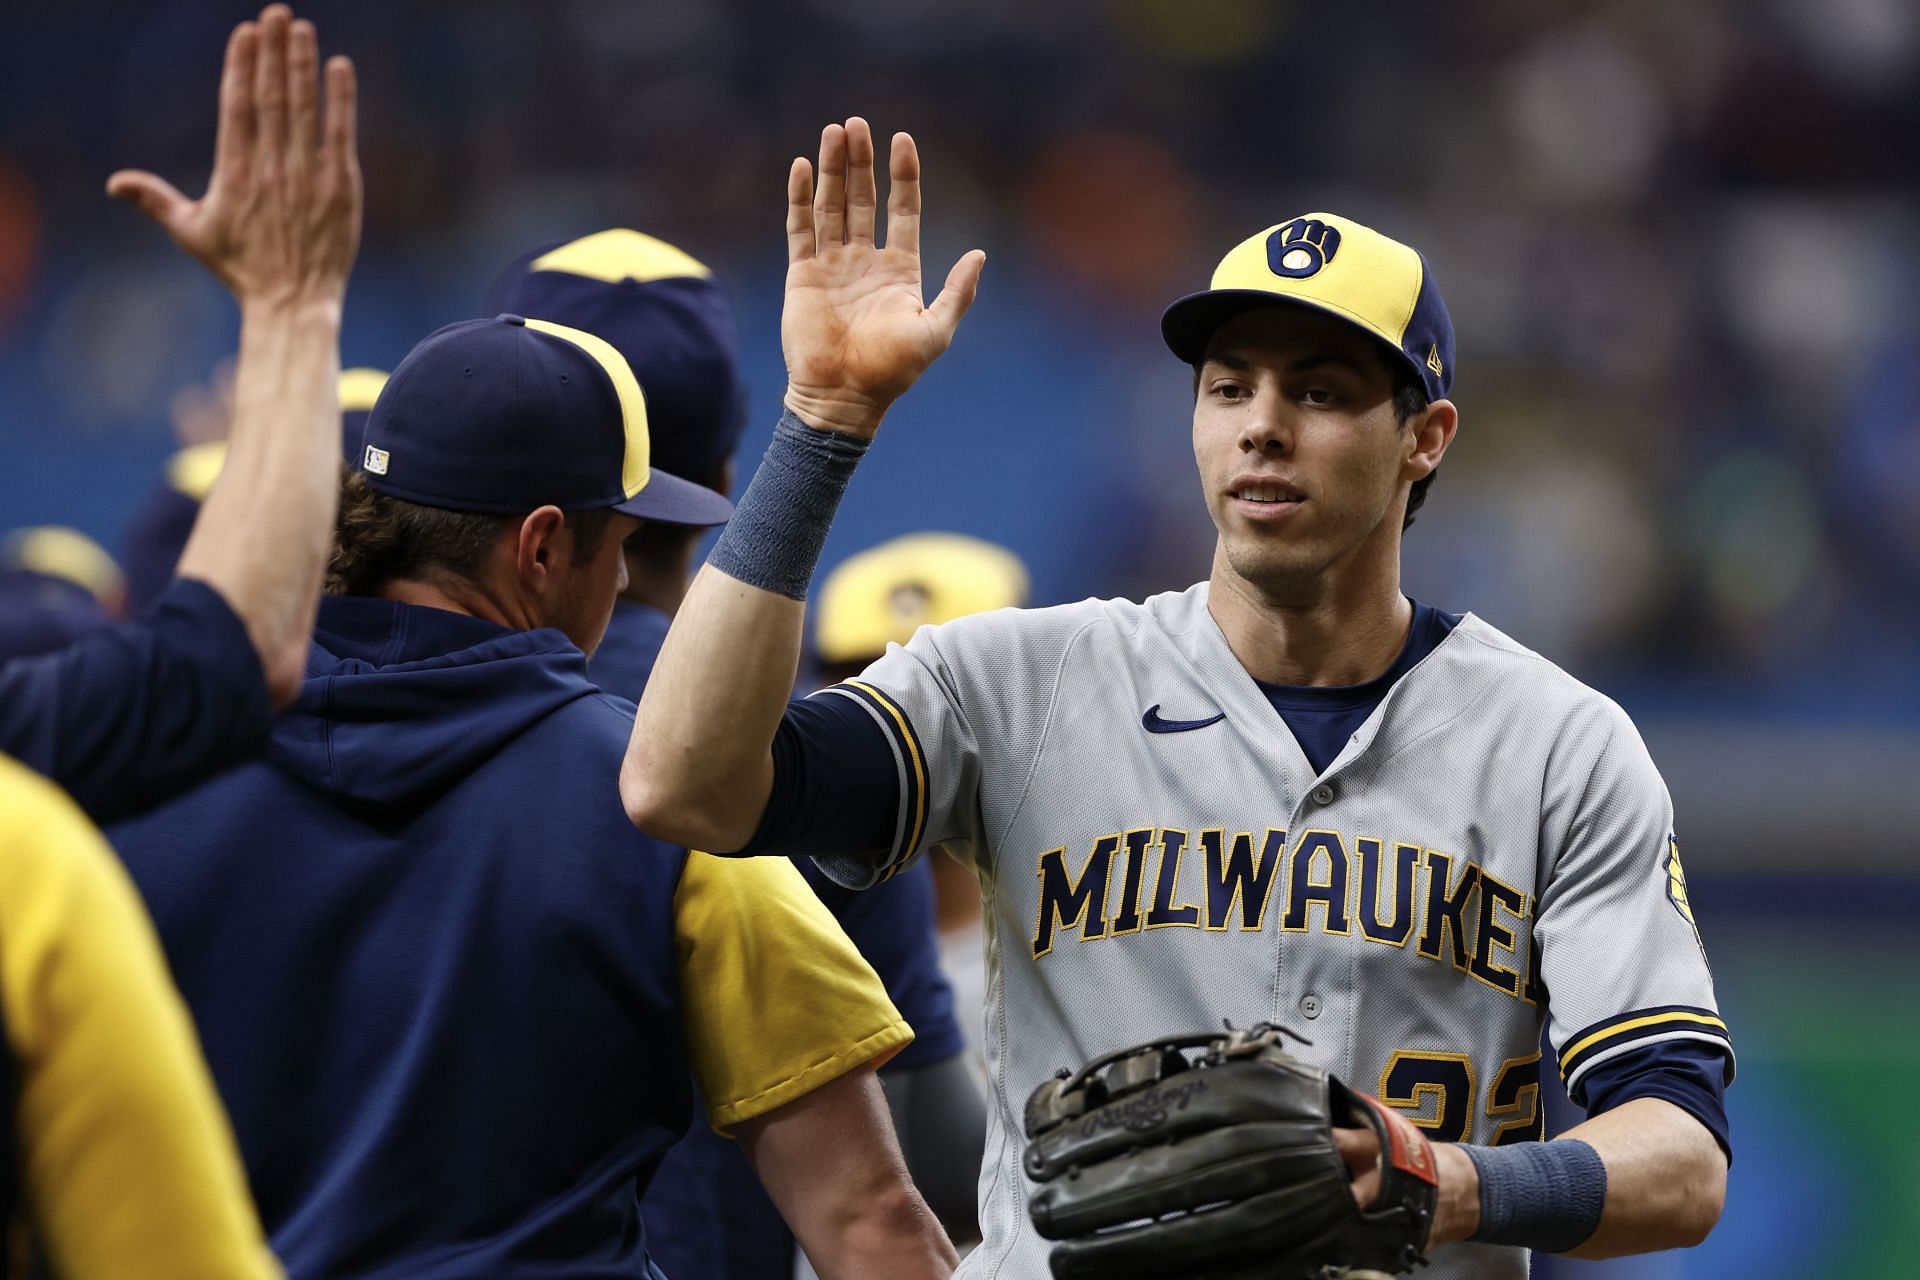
(302, 307)
(1456, 1210)
(1546, 1196)
(849, 413)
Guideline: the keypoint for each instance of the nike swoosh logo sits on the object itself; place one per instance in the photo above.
(1154, 724)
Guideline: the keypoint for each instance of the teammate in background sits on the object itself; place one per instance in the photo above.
(667, 314)
(158, 532)
(118, 1161)
(880, 597)
(139, 712)
(455, 1014)
(1287, 793)
(56, 586)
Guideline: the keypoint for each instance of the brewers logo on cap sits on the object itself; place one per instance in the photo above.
(1333, 265)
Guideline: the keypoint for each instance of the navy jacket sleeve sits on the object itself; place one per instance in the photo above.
(134, 715)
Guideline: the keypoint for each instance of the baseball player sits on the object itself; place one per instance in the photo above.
(451, 998)
(136, 713)
(670, 317)
(158, 531)
(119, 1161)
(1287, 794)
(56, 585)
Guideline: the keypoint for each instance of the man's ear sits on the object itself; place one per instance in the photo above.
(1430, 434)
(544, 545)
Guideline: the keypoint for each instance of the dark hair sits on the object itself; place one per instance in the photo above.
(1409, 400)
(379, 538)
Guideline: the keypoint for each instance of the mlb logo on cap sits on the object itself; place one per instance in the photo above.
(510, 414)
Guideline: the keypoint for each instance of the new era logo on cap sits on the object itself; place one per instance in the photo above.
(375, 461)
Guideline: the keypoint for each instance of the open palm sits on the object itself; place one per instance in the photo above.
(854, 329)
(281, 216)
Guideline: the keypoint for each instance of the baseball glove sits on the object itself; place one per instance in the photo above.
(1151, 1163)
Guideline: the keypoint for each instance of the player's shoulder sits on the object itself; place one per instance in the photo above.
(1058, 627)
(1511, 678)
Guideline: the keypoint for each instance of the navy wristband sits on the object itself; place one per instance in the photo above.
(1539, 1195)
(780, 523)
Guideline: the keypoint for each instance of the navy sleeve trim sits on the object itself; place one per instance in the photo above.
(912, 768)
(1690, 1074)
(836, 789)
(1613, 1036)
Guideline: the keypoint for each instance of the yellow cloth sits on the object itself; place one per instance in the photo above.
(778, 1001)
(127, 1165)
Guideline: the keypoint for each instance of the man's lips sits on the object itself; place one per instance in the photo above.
(1264, 497)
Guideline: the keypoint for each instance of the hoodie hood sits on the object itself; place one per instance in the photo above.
(402, 701)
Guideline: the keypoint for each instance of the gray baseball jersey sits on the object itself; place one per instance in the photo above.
(1493, 848)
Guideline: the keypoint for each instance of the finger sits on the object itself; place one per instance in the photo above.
(963, 282)
(830, 195)
(270, 89)
(340, 147)
(303, 102)
(863, 196)
(233, 139)
(150, 194)
(903, 195)
(799, 210)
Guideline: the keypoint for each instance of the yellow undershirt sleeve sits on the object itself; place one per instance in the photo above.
(778, 1001)
(127, 1163)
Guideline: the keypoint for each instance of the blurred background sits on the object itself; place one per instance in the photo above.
(1680, 243)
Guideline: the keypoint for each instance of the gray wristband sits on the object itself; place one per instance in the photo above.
(781, 521)
(1539, 1195)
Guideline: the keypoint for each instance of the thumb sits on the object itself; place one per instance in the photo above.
(150, 193)
(963, 282)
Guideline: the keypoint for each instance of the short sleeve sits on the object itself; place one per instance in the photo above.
(127, 1157)
(778, 1002)
(1620, 955)
(135, 714)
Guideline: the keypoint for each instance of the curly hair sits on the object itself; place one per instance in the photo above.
(379, 539)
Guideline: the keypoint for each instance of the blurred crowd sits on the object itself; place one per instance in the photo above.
(1678, 240)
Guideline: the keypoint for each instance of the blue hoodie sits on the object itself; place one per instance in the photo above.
(432, 963)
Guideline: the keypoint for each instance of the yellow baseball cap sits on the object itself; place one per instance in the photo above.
(1336, 266)
(883, 595)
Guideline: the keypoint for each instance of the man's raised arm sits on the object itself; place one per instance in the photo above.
(856, 335)
(279, 225)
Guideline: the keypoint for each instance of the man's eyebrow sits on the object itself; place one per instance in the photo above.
(1328, 357)
(1240, 364)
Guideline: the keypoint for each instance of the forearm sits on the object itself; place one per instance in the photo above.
(830, 1163)
(264, 532)
(699, 766)
(1660, 1185)
(1666, 1179)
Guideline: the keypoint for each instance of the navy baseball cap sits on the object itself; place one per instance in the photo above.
(1332, 265)
(56, 585)
(509, 414)
(663, 310)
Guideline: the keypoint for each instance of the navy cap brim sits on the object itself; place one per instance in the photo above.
(671, 500)
(1189, 323)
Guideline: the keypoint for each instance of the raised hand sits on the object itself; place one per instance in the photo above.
(855, 331)
(280, 221)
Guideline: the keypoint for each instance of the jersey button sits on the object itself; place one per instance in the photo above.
(1323, 794)
(1310, 1006)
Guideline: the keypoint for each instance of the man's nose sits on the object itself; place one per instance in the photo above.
(1269, 428)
